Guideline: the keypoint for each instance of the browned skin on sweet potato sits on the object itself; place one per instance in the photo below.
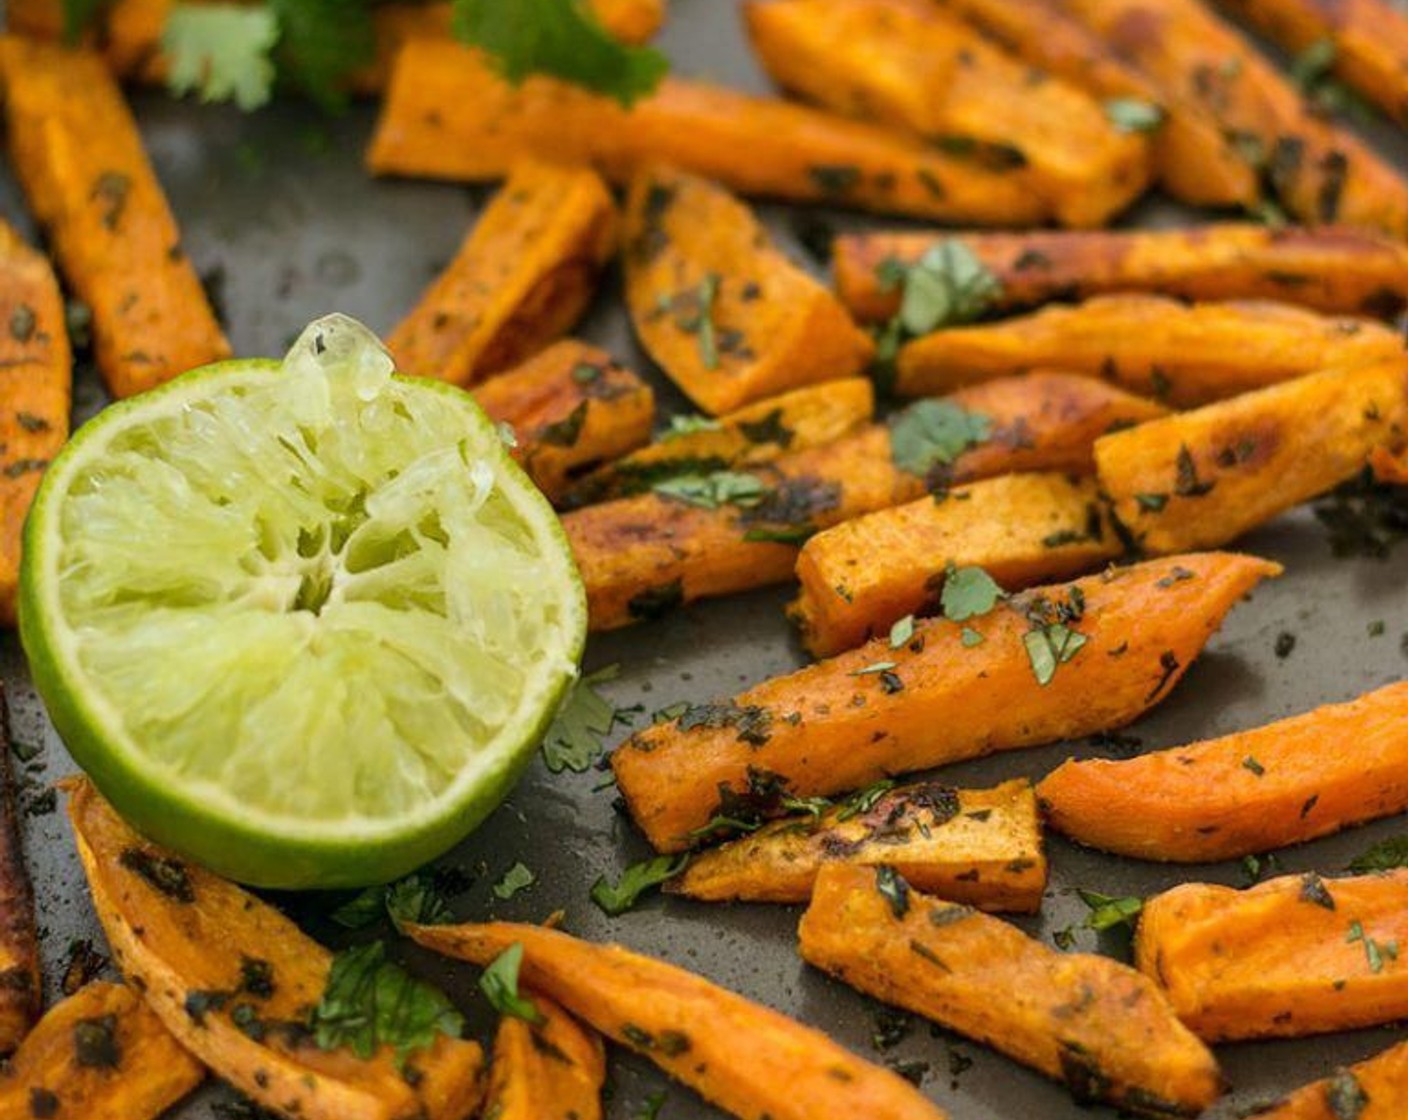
(1180, 353)
(718, 306)
(1332, 269)
(757, 433)
(1381, 1082)
(1321, 173)
(643, 555)
(448, 116)
(522, 278)
(841, 724)
(1195, 160)
(979, 847)
(1293, 780)
(77, 153)
(35, 376)
(550, 1070)
(862, 576)
(1203, 478)
(749, 1060)
(101, 1054)
(913, 66)
(1090, 1022)
(1370, 38)
(572, 408)
(20, 988)
(176, 929)
(1293, 956)
(1389, 467)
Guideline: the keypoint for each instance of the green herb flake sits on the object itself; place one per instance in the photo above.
(1345, 1097)
(893, 889)
(1051, 646)
(902, 632)
(1250, 763)
(877, 667)
(1151, 503)
(575, 738)
(714, 490)
(1130, 114)
(416, 900)
(499, 983)
(362, 910)
(862, 801)
(933, 433)
(970, 637)
(222, 52)
(650, 1109)
(968, 593)
(616, 898)
(688, 424)
(1375, 952)
(1383, 856)
(1109, 911)
(516, 879)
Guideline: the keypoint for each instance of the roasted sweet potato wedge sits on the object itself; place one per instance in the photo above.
(720, 308)
(572, 408)
(1292, 956)
(1180, 353)
(1196, 161)
(1389, 467)
(77, 153)
(1202, 478)
(522, 278)
(101, 1054)
(862, 576)
(1092, 1023)
(917, 68)
(1333, 269)
(448, 116)
(234, 980)
(757, 433)
(550, 1070)
(35, 376)
(979, 847)
(20, 988)
(1029, 678)
(1376, 1089)
(1244, 793)
(747, 1059)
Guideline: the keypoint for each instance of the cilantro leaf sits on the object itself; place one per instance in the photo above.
(369, 1002)
(710, 491)
(1130, 114)
(688, 424)
(416, 900)
(362, 910)
(223, 52)
(902, 631)
(499, 983)
(560, 38)
(79, 15)
(574, 738)
(1051, 646)
(1108, 911)
(616, 898)
(1383, 856)
(968, 593)
(516, 879)
(948, 285)
(321, 42)
(934, 433)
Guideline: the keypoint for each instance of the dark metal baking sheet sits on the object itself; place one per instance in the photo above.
(279, 215)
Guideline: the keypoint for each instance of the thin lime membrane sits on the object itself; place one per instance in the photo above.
(314, 599)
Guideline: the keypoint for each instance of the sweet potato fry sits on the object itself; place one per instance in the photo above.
(20, 989)
(1029, 678)
(1180, 353)
(233, 980)
(631, 21)
(1376, 1089)
(643, 555)
(447, 116)
(572, 408)
(1333, 269)
(723, 311)
(1202, 478)
(757, 433)
(1196, 162)
(860, 577)
(1370, 39)
(553, 1070)
(1388, 467)
(1320, 172)
(1293, 780)
(522, 278)
(101, 1054)
(979, 847)
(35, 376)
(1292, 956)
(917, 68)
(76, 151)
(1092, 1023)
(747, 1059)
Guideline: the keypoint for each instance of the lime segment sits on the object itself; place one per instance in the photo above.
(303, 622)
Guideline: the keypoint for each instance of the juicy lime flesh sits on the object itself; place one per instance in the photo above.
(316, 601)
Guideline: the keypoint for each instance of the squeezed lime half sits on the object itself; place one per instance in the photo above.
(303, 622)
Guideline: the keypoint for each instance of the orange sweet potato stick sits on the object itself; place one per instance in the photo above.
(550, 1070)
(1376, 1089)
(20, 986)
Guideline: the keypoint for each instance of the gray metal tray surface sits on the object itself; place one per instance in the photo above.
(280, 217)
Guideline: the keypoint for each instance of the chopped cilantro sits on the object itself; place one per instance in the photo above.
(499, 983)
(1383, 856)
(1375, 952)
(574, 738)
(901, 632)
(710, 491)
(1051, 646)
(1108, 911)
(223, 52)
(877, 667)
(616, 898)
(688, 424)
(1250, 763)
(970, 637)
(369, 1002)
(1130, 114)
(947, 285)
(933, 433)
(862, 801)
(968, 593)
(516, 879)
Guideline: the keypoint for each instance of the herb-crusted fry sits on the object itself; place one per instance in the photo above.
(919, 69)
(749, 1060)
(1293, 780)
(979, 847)
(101, 1054)
(549, 1070)
(1202, 478)
(1331, 269)
(861, 576)
(20, 990)
(721, 309)
(571, 408)
(1376, 1089)
(447, 116)
(758, 433)
(1180, 353)
(35, 374)
(523, 276)
(234, 981)
(1053, 663)
(1293, 956)
(1090, 1022)
(78, 155)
